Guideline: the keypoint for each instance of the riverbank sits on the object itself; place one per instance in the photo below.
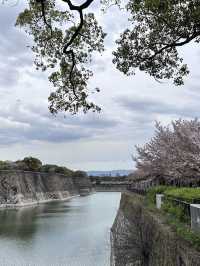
(29, 204)
(141, 236)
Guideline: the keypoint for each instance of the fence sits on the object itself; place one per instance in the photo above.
(191, 211)
(180, 203)
(141, 187)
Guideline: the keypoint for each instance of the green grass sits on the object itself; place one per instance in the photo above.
(172, 214)
(189, 195)
(175, 213)
(151, 194)
(174, 199)
(184, 231)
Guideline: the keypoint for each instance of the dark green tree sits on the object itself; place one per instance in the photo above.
(80, 174)
(48, 168)
(65, 45)
(52, 168)
(157, 29)
(4, 165)
(32, 164)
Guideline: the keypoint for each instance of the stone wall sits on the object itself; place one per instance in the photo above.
(19, 188)
(140, 237)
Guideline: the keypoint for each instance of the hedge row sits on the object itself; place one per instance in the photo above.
(189, 195)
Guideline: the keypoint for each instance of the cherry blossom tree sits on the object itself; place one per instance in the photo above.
(173, 153)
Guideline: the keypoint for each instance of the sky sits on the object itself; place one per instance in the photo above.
(105, 141)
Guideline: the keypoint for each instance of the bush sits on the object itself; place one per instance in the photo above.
(177, 201)
(176, 213)
(4, 165)
(52, 168)
(21, 165)
(151, 194)
(33, 164)
(48, 168)
(175, 210)
(185, 232)
(80, 174)
(171, 203)
(63, 170)
(189, 195)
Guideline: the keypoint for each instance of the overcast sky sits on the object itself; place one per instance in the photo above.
(94, 141)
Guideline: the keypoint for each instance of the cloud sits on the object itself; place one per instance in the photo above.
(106, 140)
(15, 57)
(152, 107)
(22, 123)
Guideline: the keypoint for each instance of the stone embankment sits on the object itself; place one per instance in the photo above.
(20, 188)
(141, 237)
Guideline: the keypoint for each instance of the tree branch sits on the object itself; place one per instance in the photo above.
(85, 5)
(42, 2)
(70, 52)
(79, 9)
(176, 44)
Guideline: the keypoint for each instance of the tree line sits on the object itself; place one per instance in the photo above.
(35, 165)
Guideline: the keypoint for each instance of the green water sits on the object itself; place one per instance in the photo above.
(71, 233)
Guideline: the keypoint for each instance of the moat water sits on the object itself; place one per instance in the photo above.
(70, 233)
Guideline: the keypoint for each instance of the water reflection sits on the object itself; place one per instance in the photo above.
(73, 233)
(18, 223)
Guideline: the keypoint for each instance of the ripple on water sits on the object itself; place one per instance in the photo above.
(72, 233)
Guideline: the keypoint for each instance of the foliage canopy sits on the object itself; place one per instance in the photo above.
(65, 45)
(35, 165)
(32, 164)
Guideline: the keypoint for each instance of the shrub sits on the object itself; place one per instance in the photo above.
(185, 232)
(189, 195)
(80, 174)
(21, 165)
(52, 168)
(4, 165)
(48, 168)
(151, 194)
(33, 164)
(169, 206)
(64, 170)
(175, 210)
